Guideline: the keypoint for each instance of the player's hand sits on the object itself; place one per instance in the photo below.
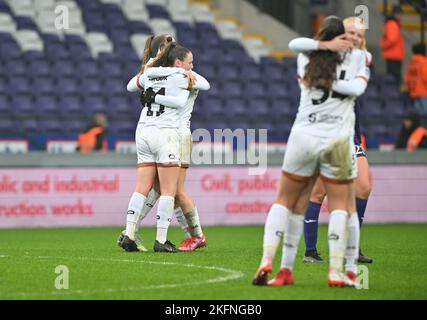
(339, 43)
(190, 76)
(149, 96)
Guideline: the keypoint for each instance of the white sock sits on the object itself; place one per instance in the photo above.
(164, 217)
(134, 211)
(273, 231)
(337, 239)
(352, 248)
(193, 221)
(151, 200)
(179, 214)
(294, 226)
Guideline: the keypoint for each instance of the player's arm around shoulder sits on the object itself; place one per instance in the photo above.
(136, 83)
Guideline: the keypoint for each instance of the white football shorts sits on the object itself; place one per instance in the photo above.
(332, 158)
(185, 148)
(157, 146)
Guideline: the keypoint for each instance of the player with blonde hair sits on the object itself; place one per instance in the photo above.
(320, 143)
(355, 33)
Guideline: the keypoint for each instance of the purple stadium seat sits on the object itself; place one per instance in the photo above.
(213, 106)
(119, 105)
(29, 126)
(4, 105)
(39, 68)
(114, 86)
(251, 72)
(236, 107)
(254, 90)
(25, 23)
(73, 126)
(231, 90)
(94, 104)
(283, 108)
(67, 86)
(3, 85)
(22, 105)
(15, 67)
(62, 69)
(46, 104)
(79, 52)
(90, 86)
(259, 107)
(51, 126)
(70, 105)
(7, 125)
(19, 85)
(57, 52)
(277, 91)
(156, 12)
(87, 69)
(273, 72)
(228, 72)
(43, 85)
(122, 126)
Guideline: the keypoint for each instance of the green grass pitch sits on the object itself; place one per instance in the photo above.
(99, 269)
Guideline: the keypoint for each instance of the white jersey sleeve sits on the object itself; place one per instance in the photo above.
(201, 82)
(300, 45)
(132, 85)
(356, 85)
(177, 101)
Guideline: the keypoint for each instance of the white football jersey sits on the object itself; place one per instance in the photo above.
(326, 113)
(186, 111)
(163, 115)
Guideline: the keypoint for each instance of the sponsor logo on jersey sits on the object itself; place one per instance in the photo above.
(158, 78)
(131, 212)
(171, 156)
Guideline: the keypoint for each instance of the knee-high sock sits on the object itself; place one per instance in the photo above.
(182, 221)
(361, 208)
(293, 230)
(337, 239)
(273, 231)
(311, 224)
(151, 200)
(164, 217)
(193, 221)
(352, 248)
(134, 211)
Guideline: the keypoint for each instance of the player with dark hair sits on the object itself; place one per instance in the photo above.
(320, 143)
(355, 34)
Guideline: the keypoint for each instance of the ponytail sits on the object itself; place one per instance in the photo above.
(146, 55)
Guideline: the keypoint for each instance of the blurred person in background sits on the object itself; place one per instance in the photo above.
(93, 137)
(416, 77)
(412, 135)
(392, 44)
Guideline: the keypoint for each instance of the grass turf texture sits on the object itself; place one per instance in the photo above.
(99, 269)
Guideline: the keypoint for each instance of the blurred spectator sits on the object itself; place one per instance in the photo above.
(416, 77)
(93, 138)
(412, 135)
(392, 44)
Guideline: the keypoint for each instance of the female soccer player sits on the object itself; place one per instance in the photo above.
(190, 223)
(355, 33)
(320, 143)
(157, 141)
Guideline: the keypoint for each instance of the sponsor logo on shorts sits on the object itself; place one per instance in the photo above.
(333, 237)
(131, 212)
(314, 117)
(172, 157)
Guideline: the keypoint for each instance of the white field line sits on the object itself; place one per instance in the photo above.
(229, 275)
